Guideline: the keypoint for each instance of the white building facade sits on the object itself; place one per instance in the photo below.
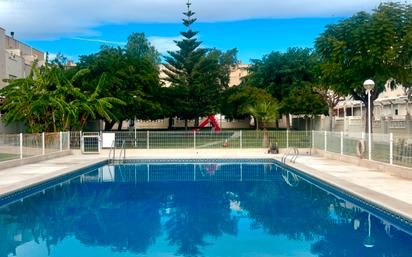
(16, 58)
(392, 113)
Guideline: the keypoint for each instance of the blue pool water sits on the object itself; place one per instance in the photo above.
(196, 209)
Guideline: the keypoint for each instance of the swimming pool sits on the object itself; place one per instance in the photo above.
(196, 208)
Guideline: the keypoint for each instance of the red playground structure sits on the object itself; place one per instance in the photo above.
(211, 119)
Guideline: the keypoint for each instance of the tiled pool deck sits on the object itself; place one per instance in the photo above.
(391, 192)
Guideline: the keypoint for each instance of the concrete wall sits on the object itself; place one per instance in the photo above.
(14, 65)
(223, 123)
(2, 58)
(164, 123)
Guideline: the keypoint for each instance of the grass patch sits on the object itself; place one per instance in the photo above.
(7, 157)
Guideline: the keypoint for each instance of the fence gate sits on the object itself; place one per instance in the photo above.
(90, 142)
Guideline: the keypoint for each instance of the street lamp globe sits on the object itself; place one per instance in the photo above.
(369, 85)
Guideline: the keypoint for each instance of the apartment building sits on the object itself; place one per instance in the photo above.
(16, 58)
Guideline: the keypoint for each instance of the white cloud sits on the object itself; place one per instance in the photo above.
(102, 41)
(42, 19)
(164, 44)
(52, 56)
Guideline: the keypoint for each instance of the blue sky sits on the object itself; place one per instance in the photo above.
(253, 38)
(255, 28)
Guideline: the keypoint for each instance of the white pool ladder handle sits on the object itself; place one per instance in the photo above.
(122, 155)
(294, 155)
(112, 150)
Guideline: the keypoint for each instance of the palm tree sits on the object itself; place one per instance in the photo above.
(264, 112)
(93, 106)
(48, 101)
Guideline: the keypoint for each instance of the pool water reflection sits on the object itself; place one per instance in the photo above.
(220, 209)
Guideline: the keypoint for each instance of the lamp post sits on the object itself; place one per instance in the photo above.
(369, 85)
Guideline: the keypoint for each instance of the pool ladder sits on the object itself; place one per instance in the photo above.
(112, 153)
(289, 152)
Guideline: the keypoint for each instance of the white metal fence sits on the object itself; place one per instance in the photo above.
(236, 139)
(19, 146)
(387, 148)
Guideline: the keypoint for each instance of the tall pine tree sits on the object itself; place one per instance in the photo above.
(195, 75)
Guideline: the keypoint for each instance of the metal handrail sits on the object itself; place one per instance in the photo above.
(122, 155)
(288, 153)
(295, 156)
(285, 156)
(112, 148)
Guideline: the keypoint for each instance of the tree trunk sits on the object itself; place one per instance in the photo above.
(186, 124)
(312, 123)
(306, 123)
(170, 126)
(277, 123)
(197, 122)
(108, 126)
(265, 142)
(287, 121)
(119, 128)
(330, 111)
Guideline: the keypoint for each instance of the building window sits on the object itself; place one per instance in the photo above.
(396, 111)
(349, 112)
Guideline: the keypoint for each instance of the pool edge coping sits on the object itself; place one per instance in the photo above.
(380, 200)
(12, 189)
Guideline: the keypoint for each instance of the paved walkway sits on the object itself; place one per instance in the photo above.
(385, 190)
(393, 193)
(16, 178)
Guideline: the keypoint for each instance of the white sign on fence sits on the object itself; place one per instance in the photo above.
(108, 139)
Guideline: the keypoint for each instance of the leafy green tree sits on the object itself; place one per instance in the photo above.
(93, 106)
(279, 73)
(47, 101)
(132, 75)
(264, 112)
(331, 98)
(196, 75)
(245, 101)
(375, 45)
(305, 101)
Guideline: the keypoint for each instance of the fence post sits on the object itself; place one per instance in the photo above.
(391, 148)
(68, 140)
(313, 139)
(21, 146)
(43, 144)
(147, 139)
(194, 139)
(61, 141)
(135, 137)
(326, 140)
(341, 143)
(241, 139)
(81, 141)
(287, 138)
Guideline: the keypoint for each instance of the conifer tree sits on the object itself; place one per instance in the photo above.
(195, 74)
